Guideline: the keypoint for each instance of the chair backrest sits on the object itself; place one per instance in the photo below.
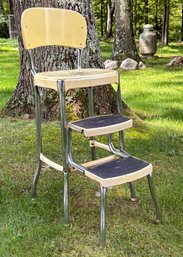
(52, 26)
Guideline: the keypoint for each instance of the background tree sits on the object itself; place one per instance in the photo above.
(110, 17)
(182, 22)
(134, 16)
(3, 19)
(1, 7)
(10, 4)
(52, 58)
(102, 17)
(146, 11)
(165, 28)
(124, 42)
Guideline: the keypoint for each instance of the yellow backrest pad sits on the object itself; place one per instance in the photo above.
(52, 26)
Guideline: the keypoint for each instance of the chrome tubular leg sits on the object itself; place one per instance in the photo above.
(132, 191)
(91, 113)
(36, 178)
(131, 184)
(93, 153)
(103, 216)
(66, 197)
(64, 142)
(154, 197)
(119, 102)
(39, 142)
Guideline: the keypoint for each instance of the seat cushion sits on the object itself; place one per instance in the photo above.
(76, 78)
(119, 171)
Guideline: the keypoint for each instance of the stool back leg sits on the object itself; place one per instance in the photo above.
(91, 113)
(132, 191)
(103, 216)
(39, 142)
(154, 197)
(131, 184)
(64, 143)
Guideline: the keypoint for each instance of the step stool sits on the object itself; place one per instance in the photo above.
(52, 26)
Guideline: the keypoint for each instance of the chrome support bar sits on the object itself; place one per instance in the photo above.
(70, 159)
(64, 143)
(115, 151)
(79, 51)
(31, 62)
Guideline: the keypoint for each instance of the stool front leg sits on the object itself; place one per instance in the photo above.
(103, 216)
(38, 140)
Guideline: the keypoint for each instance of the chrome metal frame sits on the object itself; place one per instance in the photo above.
(79, 57)
(39, 142)
(121, 141)
(38, 129)
(154, 197)
(64, 143)
(70, 158)
(91, 113)
(103, 191)
(61, 90)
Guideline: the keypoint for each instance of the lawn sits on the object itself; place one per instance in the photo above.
(30, 228)
(9, 65)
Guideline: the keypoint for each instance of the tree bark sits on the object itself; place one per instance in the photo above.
(165, 29)
(146, 11)
(1, 7)
(10, 3)
(54, 58)
(124, 42)
(134, 16)
(182, 22)
(156, 15)
(102, 18)
(110, 14)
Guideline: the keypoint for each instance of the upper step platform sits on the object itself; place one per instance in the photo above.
(101, 125)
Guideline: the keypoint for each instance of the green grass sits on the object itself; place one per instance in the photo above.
(9, 68)
(30, 228)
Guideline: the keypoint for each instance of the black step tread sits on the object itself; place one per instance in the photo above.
(119, 167)
(105, 121)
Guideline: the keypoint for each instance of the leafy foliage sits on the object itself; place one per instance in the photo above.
(155, 16)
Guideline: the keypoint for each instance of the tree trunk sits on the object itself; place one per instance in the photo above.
(54, 58)
(1, 7)
(110, 14)
(102, 18)
(10, 3)
(146, 10)
(3, 24)
(182, 23)
(156, 15)
(124, 42)
(165, 29)
(134, 16)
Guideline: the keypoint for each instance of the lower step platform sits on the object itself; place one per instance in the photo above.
(119, 171)
(101, 125)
